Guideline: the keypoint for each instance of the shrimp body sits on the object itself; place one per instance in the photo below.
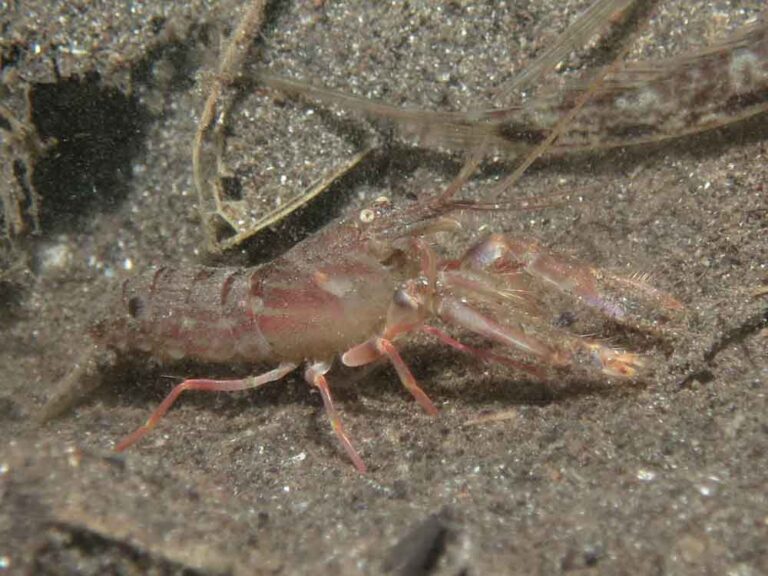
(356, 287)
(328, 293)
(283, 311)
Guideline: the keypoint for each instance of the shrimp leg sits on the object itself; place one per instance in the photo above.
(373, 349)
(315, 375)
(407, 312)
(483, 355)
(209, 386)
(504, 257)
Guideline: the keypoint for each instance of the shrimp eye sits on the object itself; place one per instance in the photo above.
(367, 216)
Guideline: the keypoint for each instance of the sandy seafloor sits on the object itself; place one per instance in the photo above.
(665, 476)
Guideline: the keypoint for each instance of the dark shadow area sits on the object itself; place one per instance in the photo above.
(70, 549)
(417, 553)
(97, 132)
(738, 334)
(11, 299)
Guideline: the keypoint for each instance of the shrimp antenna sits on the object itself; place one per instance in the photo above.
(523, 204)
(470, 166)
(475, 158)
(564, 123)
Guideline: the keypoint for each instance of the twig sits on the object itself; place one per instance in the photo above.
(230, 63)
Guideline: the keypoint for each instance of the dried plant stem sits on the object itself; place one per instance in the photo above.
(597, 12)
(230, 63)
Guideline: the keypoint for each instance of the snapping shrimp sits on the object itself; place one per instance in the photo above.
(356, 288)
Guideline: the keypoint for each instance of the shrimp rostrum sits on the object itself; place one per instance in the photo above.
(358, 287)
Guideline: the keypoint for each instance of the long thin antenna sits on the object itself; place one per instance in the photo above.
(563, 124)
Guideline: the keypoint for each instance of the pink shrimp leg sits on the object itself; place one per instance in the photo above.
(208, 386)
(315, 375)
(388, 349)
(407, 312)
(373, 349)
(483, 355)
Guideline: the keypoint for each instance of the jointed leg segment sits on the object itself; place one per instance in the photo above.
(315, 375)
(208, 386)
(388, 349)
(484, 355)
(373, 349)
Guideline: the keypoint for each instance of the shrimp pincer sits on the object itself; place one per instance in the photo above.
(359, 286)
